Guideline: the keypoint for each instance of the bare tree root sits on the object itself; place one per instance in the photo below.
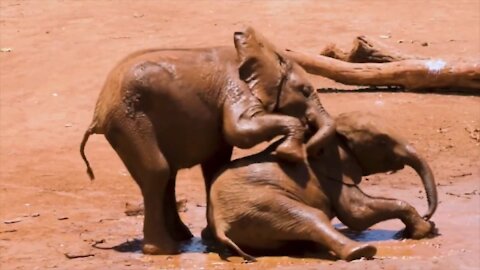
(371, 63)
(367, 50)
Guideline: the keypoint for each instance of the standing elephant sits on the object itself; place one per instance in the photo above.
(262, 203)
(167, 109)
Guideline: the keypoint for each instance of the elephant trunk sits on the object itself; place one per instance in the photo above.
(426, 174)
(322, 122)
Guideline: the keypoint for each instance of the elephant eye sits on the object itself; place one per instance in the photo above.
(306, 90)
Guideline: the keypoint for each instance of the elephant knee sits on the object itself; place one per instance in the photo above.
(355, 210)
(404, 208)
(355, 218)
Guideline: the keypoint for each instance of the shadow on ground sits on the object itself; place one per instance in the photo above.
(298, 249)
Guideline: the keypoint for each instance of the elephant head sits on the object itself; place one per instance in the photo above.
(281, 85)
(377, 149)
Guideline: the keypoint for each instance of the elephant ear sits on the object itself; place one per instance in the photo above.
(261, 67)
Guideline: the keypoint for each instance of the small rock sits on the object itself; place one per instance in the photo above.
(68, 125)
(474, 192)
(6, 49)
(134, 210)
(182, 205)
(460, 175)
(106, 219)
(8, 231)
(62, 218)
(12, 221)
(400, 41)
(424, 44)
(35, 215)
(384, 36)
(448, 146)
(474, 133)
(75, 255)
(442, 130)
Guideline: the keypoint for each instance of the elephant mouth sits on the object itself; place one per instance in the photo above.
(280, 86)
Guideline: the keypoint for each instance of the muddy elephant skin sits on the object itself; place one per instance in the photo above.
(262, 203)
(167, 109)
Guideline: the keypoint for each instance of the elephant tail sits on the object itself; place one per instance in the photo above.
(227, 241)
(86, 135)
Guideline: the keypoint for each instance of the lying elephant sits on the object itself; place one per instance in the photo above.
(164, 110)
(262, 203)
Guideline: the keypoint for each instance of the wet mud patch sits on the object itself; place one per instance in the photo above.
(370, 235)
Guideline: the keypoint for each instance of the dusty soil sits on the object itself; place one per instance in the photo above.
(55, 57)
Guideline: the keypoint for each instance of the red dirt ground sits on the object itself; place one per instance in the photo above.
(61, 52)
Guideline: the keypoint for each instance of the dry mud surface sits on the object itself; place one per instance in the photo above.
(56, 54)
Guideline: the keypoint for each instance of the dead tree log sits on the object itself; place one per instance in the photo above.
(412, 74)
(366, 50)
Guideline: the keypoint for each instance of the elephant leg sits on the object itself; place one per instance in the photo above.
(316, 226)
(209, 169)
(144, 160)
(359, 211)
(245, 126)
(175, 226)
(289, 220)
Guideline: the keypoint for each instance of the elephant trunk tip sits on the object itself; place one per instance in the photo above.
(432, 206)
(425, 172)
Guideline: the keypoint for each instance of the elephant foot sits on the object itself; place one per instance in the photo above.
(207, 234)
(291, 150)
(357, 251)
(163, 249)
(181, 232)
(421, 229)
